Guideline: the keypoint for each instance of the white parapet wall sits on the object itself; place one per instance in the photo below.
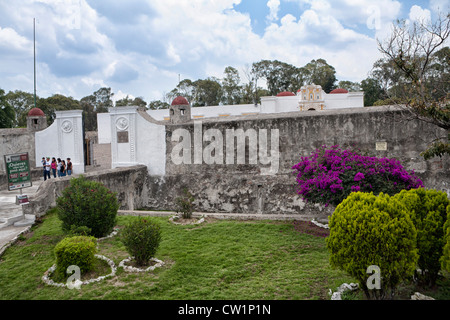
(63, 139)
(134, 140)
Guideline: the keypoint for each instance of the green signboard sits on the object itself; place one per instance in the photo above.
(18, 171)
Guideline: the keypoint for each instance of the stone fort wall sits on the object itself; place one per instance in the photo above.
(245, 188)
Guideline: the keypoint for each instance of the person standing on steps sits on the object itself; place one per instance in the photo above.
(54, 166)
(69, 167)
(44, 166)
(63, 168)
(47, 168)
(59, 167)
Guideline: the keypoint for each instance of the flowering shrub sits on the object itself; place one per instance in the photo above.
(329, 175)
(88, 205)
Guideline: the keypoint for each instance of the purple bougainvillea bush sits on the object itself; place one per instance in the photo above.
(330, 174)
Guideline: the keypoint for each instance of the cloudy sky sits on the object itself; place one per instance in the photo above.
(141, 48)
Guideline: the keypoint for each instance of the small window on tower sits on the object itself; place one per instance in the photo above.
(182, 111)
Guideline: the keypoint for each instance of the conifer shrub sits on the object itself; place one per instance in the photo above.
(368, 230)
(445, 259)
(428, 213)
(76, 250)
(330, 174)
(87, 204)
(141, 238)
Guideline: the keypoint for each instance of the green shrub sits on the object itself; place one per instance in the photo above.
(89, 204)
(428, 213)
(445, 259)
(185, 204)
(368, 230)
(141, 238)
(77, 250)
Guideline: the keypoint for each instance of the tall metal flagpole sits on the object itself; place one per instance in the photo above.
(34, 48)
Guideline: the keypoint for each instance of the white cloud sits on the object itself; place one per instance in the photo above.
(440, 6)
(11, 41)
(274, 7)
(420, 15)
(139, 47)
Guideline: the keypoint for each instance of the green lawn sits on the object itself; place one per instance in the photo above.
(218, 260)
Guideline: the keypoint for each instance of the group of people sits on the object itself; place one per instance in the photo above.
(57, 166)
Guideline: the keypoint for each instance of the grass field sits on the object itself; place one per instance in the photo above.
(217, 260)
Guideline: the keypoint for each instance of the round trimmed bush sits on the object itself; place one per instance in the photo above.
(88, 204)
(428, 213)
(368, 230)
(141, 237)
(77, 250)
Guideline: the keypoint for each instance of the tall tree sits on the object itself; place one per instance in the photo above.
(231, 86)
(7, 114)
(350, 86)
(127, 101)
(279, 76)
(412, 47)
(57, 102)
(321, 73)
(158, 104)
(372, 91)
(22, 102)
(185, 88)
(208, 92)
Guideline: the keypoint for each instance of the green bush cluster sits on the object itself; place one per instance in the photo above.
(77, 250)
(399, 234)
(141, 238)
(370, 230)
(445, 260)
(87, 204)
(428, 212)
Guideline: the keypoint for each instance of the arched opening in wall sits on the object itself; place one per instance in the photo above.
(311, 109)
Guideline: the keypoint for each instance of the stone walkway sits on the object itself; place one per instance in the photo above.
(12, 220)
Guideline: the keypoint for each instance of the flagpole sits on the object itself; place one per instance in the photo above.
(34, 48)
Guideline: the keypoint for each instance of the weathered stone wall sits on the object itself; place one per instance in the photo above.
(242, 187)
(16, 141)
(129, 183)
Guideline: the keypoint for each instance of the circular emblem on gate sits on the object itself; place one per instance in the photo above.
(122, 123)
(66, 126)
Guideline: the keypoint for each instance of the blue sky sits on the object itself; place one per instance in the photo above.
(141, 48)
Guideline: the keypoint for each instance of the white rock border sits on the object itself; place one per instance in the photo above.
(341, 289)
(325, 226)
(178, 216)
(126, 268)
(46, 277)
(112, 234)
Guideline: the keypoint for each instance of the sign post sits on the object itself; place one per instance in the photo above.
(18, 171)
